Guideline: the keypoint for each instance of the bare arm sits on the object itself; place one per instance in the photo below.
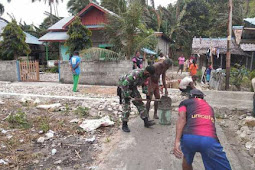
(179, 129)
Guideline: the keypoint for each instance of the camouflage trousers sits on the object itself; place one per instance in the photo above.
(139, 105)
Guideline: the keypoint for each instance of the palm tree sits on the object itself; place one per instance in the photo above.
(153, 4)
(116, 6)
(75, 6)
(127, 33)
(2, 8)
(51, 4)
(247, 8)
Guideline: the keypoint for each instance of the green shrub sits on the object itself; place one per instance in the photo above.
(82, 111)
(252, 74)
(199, 75)
(176, 63)
(239, 76)
(54, 69)
(18, 120)
(44, 124)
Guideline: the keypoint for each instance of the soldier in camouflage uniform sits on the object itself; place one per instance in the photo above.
(128, 84)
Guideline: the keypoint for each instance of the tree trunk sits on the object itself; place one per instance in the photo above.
(153, 4)
(178, 4)
(51, 19)
(247, 8)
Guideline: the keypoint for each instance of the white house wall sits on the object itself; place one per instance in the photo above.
(163, 46)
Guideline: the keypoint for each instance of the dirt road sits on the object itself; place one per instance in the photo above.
(150, 149)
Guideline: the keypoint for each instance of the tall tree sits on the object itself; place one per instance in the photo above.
(127, 33)
(13, 43)
(51, 5)
(152, 4)
(79, 36)
(75, 6)
(2, 8)
(116, 6)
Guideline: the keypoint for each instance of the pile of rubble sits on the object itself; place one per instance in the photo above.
(242, 124)
(72, 139)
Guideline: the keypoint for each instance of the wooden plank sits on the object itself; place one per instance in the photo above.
(37, 71)
(29, 71)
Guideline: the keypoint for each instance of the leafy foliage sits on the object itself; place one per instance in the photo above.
(13, 43)
(44, 124)
(127, 33)
(79, 36)
(116, 6)
(82, 111)
(249, 8)
(99, 54)
(2, 8)
(51, 4)
(240, 76)
(75, 6)
(18, 120)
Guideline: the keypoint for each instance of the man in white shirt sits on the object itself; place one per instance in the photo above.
(187, 84)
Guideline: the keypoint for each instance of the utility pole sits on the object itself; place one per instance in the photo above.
(228, 57)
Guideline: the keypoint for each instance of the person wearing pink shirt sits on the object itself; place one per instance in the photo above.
(181, 60)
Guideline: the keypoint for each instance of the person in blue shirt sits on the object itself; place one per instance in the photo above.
(75, 61)
(208, 72)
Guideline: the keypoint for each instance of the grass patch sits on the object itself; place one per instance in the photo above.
(44, 124)
(67, 110)
(18, 120)
(107, 140)
(82, 111)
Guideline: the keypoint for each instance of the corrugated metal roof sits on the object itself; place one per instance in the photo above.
(30, 39)
(149, 51)
(250, 20)
(54, 36)
(94, 26)
(247, 47)
(201, 45)
(59, 25)
(3, 24)
(238, 27)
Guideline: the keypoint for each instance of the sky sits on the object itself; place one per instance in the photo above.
(33, 13)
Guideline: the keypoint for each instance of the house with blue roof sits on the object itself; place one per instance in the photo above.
(36, 46)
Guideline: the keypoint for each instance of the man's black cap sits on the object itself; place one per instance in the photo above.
(196, 93)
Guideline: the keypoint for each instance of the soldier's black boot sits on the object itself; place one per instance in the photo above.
(148, 123)
(125, 127)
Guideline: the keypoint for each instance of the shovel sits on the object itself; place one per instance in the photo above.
(140, 99)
